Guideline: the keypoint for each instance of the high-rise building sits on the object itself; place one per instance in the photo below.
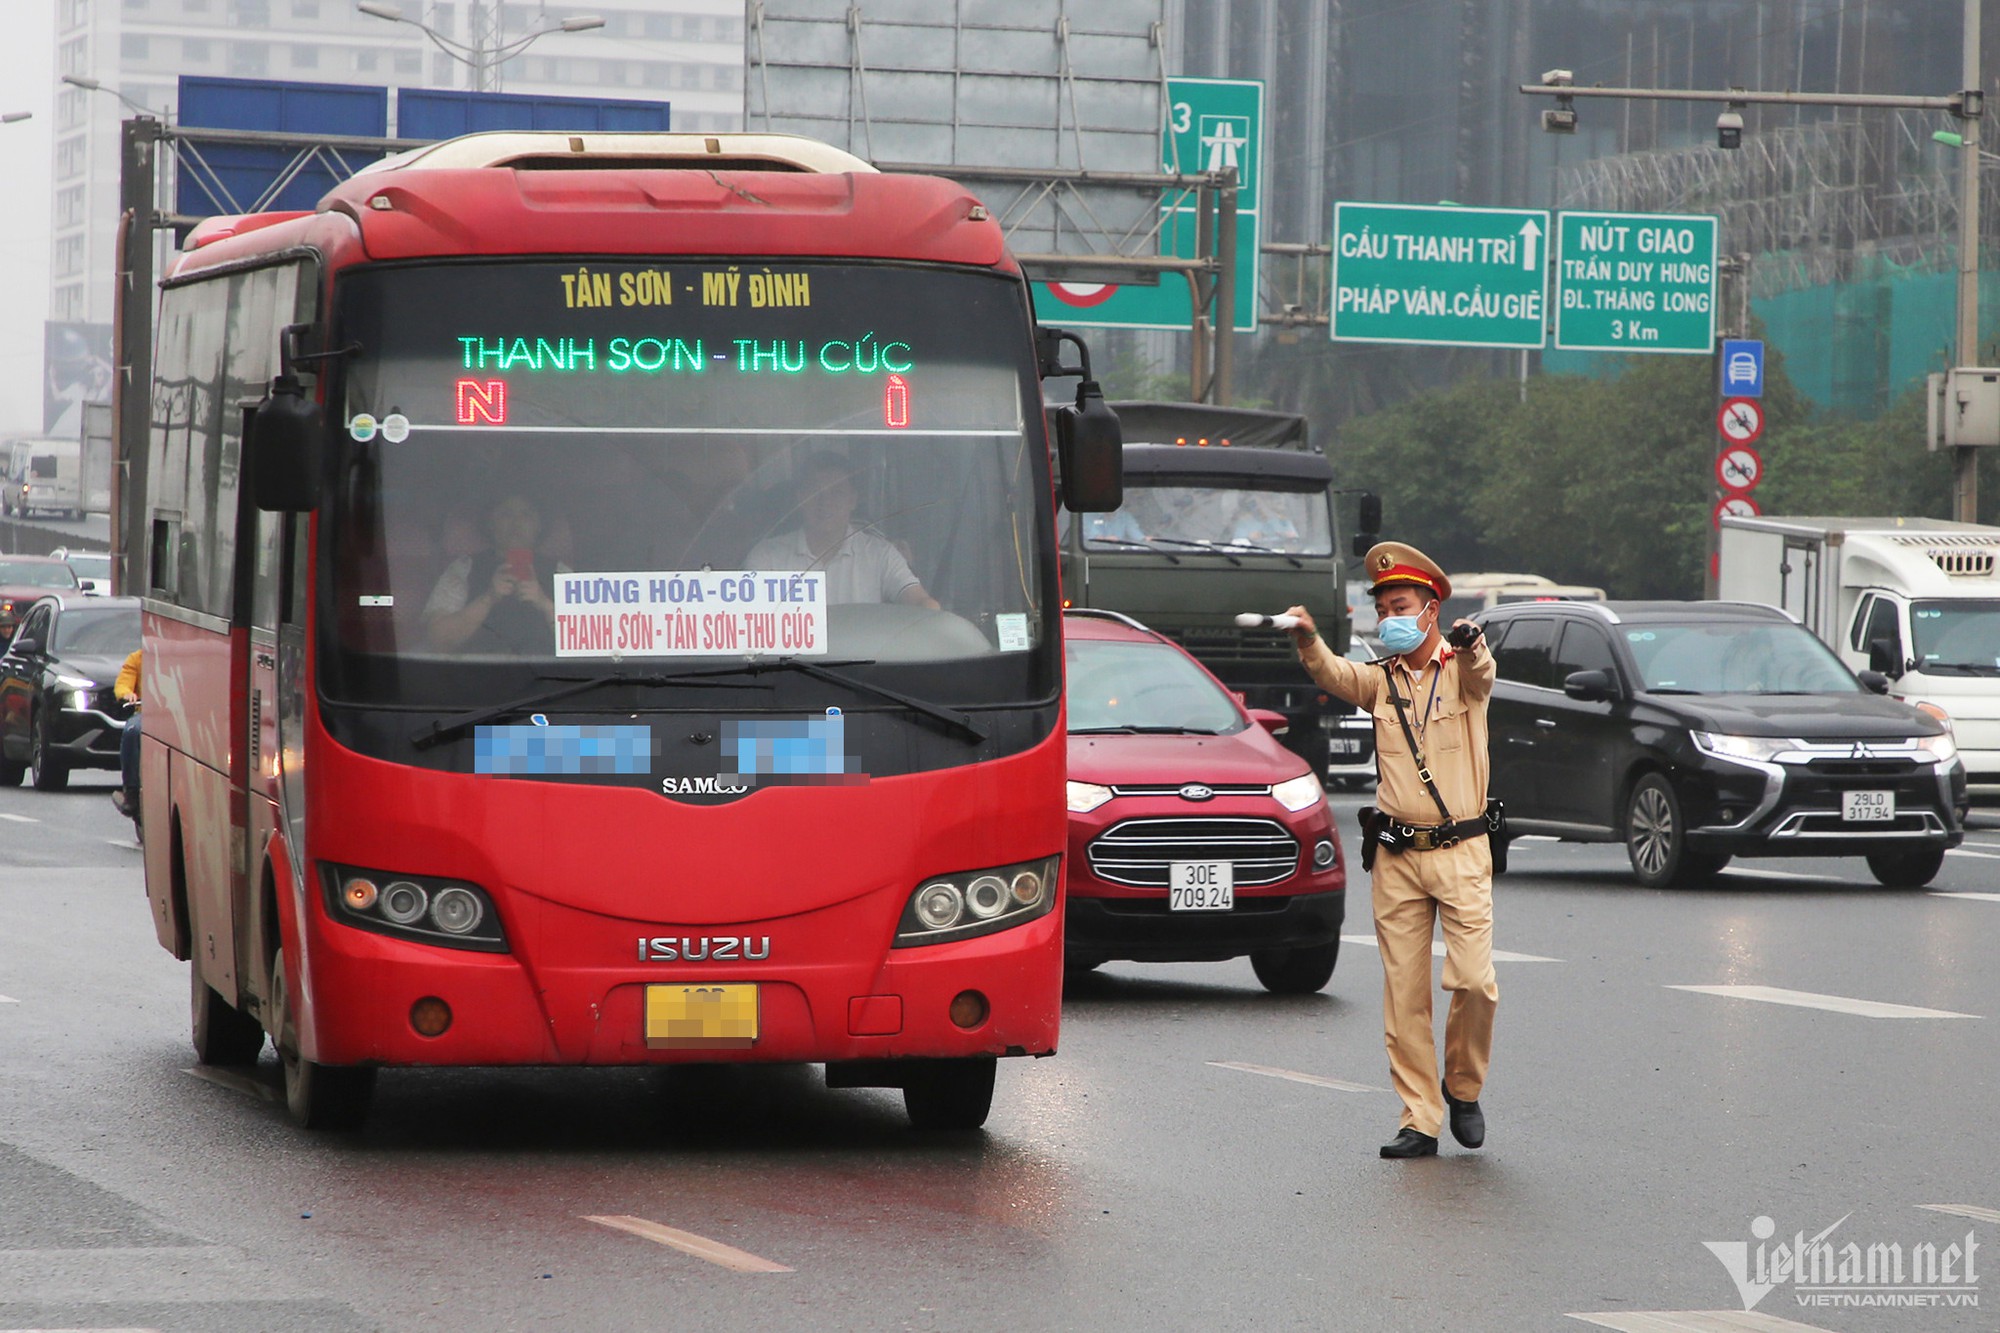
(686, 52)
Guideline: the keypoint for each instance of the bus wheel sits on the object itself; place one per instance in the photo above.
(950, 1094)
(223, 1034)
(318, 1096)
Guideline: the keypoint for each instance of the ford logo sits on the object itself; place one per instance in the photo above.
(1195, 791)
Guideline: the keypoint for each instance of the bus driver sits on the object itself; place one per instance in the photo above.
(860, 566)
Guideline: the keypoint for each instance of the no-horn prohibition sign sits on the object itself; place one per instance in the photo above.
(1741, 420)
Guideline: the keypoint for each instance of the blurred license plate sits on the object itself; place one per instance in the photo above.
(1346, 745)
(1201, 886)
(1866, 807)
(683, 1016)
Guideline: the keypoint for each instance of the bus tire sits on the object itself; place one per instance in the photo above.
(950, 1094)
(319, 1097)
(223, 1034)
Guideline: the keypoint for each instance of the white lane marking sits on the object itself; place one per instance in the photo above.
(1980, 897)
(1695, 1321)
(1978, 856)
(1533, 837)
(701, 1247)
(20, 819)
(1839, 1004)
(129, 844)
(8, 999)
(1437, 951)
(1782, 874)
(1971, 1210)
(1294, 1076)
(243, 1083)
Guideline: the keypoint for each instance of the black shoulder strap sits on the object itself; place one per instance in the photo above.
(1403, 717)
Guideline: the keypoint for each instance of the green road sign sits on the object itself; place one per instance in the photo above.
(1212, 124)
(1414, 273)
(1635, 282)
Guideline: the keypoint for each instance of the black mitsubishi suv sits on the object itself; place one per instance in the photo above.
(1697, 731)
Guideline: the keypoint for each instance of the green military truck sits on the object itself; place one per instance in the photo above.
(1226, 510)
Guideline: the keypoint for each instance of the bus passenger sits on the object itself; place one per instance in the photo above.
(513, 611)
(860, 566)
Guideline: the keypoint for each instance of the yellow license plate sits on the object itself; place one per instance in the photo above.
(683, 1016)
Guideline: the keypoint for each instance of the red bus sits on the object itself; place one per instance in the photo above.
(601, 608)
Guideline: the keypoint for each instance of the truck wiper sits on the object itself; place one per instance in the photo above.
(1969, 668)
(570, 687)
(1255, 549)
(1213, 548)
(951, 717)
(1129, 545)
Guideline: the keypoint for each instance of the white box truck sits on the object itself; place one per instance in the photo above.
(1917, 599)
(43, 477)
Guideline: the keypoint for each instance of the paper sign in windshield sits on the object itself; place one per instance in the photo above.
(699, 613)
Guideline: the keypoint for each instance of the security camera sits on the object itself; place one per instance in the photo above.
(1557, 78)
(1562, 120)
(1729, 130)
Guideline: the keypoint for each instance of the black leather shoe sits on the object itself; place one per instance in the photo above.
(1468, 1122)
(1411, 1143)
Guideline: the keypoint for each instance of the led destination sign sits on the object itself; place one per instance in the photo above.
(684, 349)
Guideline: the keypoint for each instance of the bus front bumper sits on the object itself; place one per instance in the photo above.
(529, 1007)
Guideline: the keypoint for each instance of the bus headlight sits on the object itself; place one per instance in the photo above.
(978, 902)
(425, 908)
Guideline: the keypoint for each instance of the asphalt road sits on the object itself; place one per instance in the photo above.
(1199, 1156)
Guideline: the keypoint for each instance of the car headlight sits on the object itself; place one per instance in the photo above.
(79, 700)
(1943, 747)
(1299, 793)
(978, 902)
(1087, 796)
(426, 908)
(1755, 749)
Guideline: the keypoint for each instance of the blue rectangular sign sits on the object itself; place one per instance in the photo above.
(446, 113)
(1742, 368)
(235, 178)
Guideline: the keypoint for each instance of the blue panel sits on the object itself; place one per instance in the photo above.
(234, 178)
(443, 113)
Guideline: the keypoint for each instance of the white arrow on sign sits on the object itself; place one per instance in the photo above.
(1530, 233)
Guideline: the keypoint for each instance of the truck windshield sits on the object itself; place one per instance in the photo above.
(1736, 659)
(561, 468)
(1238, 519)
(1957, 635)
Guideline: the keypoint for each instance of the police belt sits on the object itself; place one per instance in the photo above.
(1397, 836)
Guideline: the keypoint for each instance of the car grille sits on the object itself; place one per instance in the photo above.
(1139, 851)
(1863, 768)
(1229, 644)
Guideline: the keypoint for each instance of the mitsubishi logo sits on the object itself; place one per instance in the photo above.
(1195, 791)
(1860, 751)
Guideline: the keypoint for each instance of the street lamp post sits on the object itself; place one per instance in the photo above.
(486, 52)
(98, 86)
(12, 117)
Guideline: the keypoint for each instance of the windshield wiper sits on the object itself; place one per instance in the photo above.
(1255, 549)
(1142, 731)
(571, 686)
(1129, 545)
(1213, 548)
(1970, 668)
(951, 717)
(1668, 689)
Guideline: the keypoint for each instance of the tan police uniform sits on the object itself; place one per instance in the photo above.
(1446, 702)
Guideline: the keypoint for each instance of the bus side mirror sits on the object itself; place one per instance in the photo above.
(1368, 523)
(286, 435)
(1091, 451)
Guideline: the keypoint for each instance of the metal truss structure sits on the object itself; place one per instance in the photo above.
(1811, 204)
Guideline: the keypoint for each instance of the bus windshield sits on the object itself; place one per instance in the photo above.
(567, 469)
(1236, 519)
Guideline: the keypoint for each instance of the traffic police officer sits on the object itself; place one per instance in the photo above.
(1431, 864)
